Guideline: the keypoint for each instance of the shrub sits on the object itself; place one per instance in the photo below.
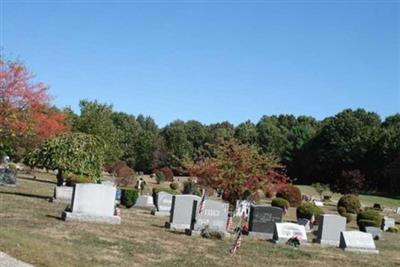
(168, 174)
(342, 211)
(291, 193)
(129, 197)
(78, 179)
(368, 217)
(393, 230)
(156, 190)
(280, 203)
(174, 186)
(115, 166)
(306, 211)
(12, 166)
(350, 203)
(160, 177)
(190, 188)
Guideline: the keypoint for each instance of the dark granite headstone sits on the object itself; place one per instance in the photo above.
(7, 177)
(374, 231)
(262, 221)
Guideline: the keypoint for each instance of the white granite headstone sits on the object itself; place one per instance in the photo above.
(242, 206)
(286, 231)
(387, 223)
(63, 194)
(93, 203)
(357, 241)
(144, 202)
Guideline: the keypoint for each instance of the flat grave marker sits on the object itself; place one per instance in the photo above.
(357, 241)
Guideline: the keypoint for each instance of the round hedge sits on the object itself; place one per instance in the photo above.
(368, 218)
(291, 193)
(280, 203)
(306, 211)
(174, 186)
(129, 197)
(351, 203)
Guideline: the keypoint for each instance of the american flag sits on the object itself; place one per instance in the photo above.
(238, 242)
(229, 222)
(202, 202)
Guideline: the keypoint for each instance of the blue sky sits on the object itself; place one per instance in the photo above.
(211, 61)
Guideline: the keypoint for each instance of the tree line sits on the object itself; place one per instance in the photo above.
(352, 150)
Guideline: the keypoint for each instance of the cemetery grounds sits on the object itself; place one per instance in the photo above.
(31, 230)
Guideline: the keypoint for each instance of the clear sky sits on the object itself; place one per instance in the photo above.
(211, 61)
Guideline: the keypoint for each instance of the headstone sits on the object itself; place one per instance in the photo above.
(93, 203)
(63, 194)
(262, 221)
(163, 204)
(357, 241)
(242, 206)
(144, 202)
(318, 203)
(7, 177)
(305, 223)
(398, 210)
(285, 231)
(214, 216)
(387, 223)
(374, 231)
(181, 212)
(330, 226)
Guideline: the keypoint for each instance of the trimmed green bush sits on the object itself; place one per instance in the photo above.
(156, 190)
(280, 203)
(129, 197)
(368, 217)
(350, 203)
(291, 193)
(342, 211)
(174, 186)
(307, 209)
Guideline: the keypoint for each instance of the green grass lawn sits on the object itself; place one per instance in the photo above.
(31, 230)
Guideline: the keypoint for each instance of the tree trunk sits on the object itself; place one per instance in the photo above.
(60, 178)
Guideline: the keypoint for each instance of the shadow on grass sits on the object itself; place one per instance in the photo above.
(26, 195)
(36, 180)
(54, 217)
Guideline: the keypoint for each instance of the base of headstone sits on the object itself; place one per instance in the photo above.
(177, 227)
(370, 251)
(79, 217)
(328, 243)
(261, 236)
(160, 213)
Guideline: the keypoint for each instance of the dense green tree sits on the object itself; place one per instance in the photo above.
(96, 119)
(128, 133)
(177, 140)
(246, 132)
(220, 131)
(272, 137)
(75, 153)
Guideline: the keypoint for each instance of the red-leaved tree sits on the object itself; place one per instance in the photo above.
(238, 171)
(26, 115)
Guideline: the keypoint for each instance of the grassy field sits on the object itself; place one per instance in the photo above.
(31, 230)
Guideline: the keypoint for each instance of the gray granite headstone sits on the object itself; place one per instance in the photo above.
(387, 223)
(374, 231)
(398, 210)
(262, 221)
(63, 194)
(181, 212)
(163, 204)
(357, 241)
(285, 231)
(330, 226)
(93, 203)
(214, 216)
(144, 202)
(7, 176)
